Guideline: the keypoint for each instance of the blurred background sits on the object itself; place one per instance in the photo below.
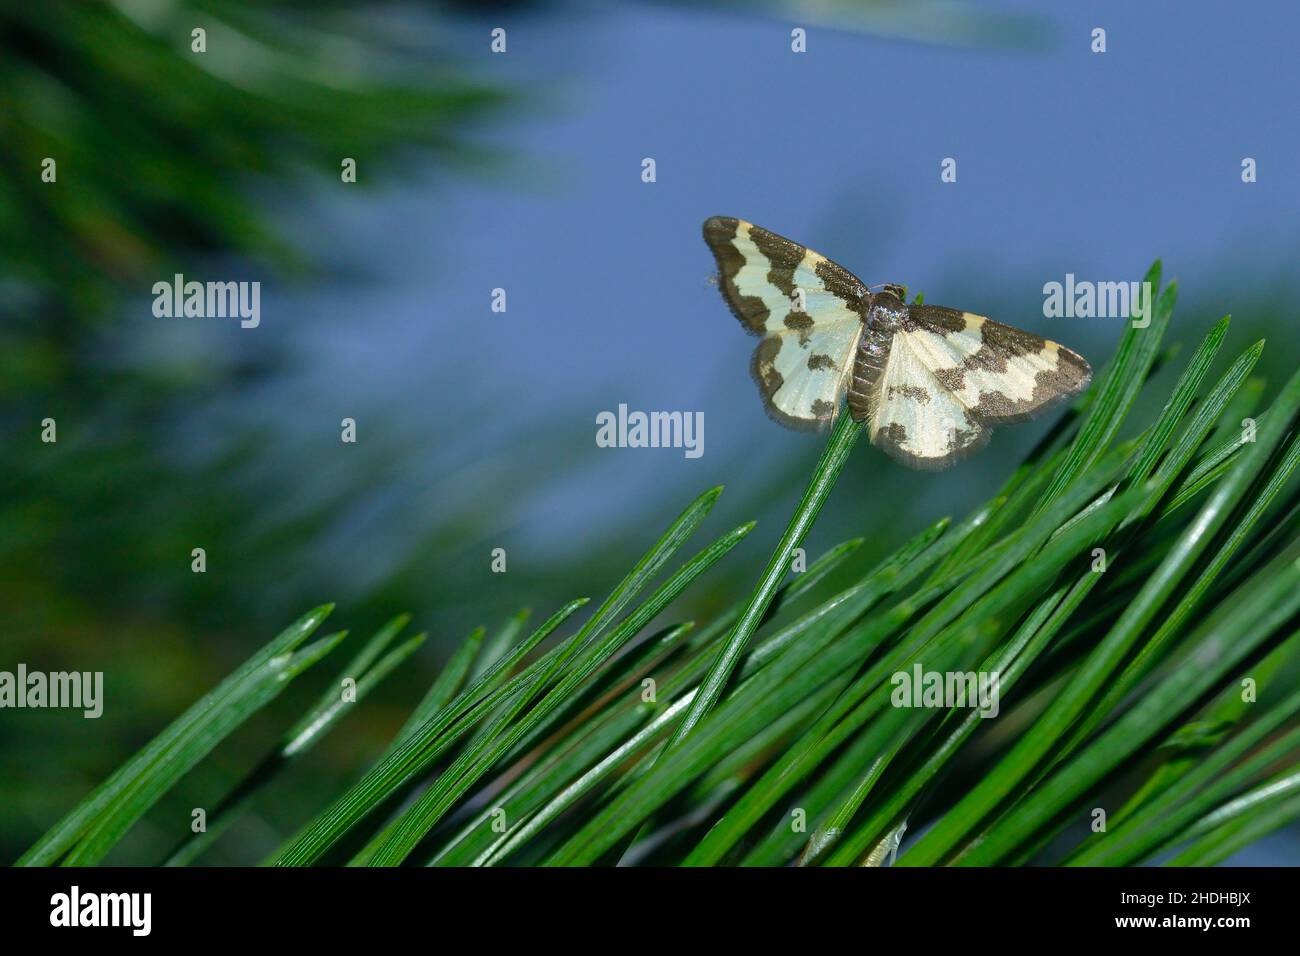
(476, 429)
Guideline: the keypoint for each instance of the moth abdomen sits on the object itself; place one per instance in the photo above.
(872, 353)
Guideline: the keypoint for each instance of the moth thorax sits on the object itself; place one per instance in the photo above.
(886, 311)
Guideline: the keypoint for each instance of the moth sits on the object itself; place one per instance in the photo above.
(930, 381)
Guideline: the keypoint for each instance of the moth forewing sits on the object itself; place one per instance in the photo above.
(1002, 374)
(761, 273)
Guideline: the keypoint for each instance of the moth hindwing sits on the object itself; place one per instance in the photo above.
(930, 381)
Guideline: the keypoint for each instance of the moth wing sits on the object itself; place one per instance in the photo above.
(807, 308)
(760, 273)
(915, 419)
(803, 376)
(1002, 374)
(950, 375)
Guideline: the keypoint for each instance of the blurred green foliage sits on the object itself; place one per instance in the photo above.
(163, 158)
(161, 150)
